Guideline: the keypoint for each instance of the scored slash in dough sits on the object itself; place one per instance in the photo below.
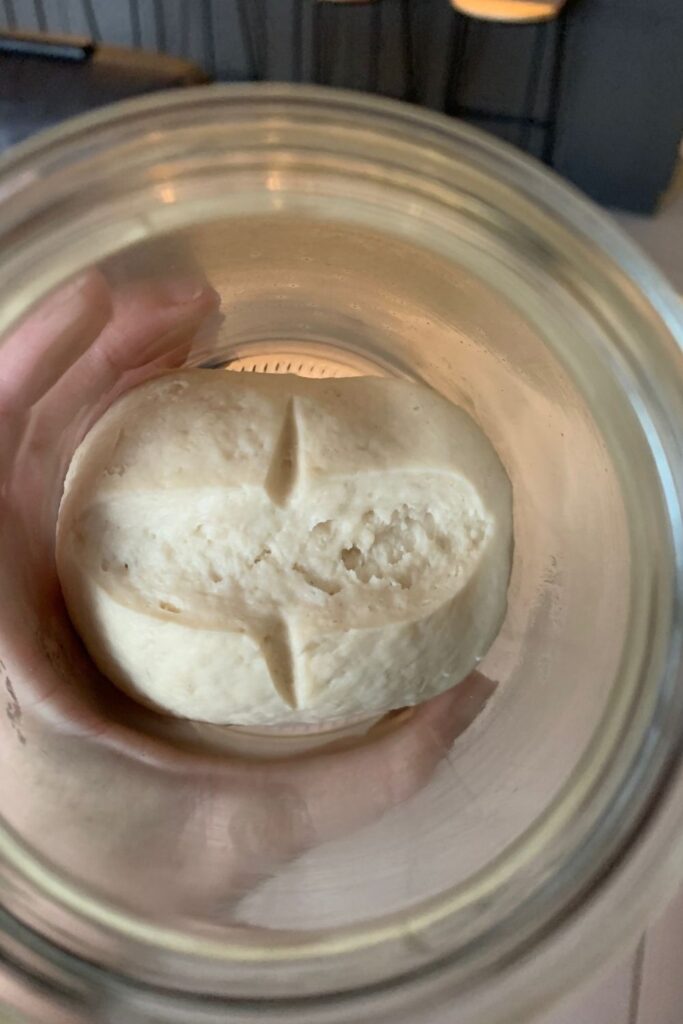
(270, 550)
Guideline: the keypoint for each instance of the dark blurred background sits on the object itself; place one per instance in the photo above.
(592, 87)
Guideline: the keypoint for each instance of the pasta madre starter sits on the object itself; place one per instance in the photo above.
(267, 549)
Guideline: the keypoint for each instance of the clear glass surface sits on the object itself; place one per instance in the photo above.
(483, 858)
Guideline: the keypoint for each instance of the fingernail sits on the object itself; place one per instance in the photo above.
(182, 290)
(67, 291)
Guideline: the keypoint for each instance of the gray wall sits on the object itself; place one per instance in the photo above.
(614, 101)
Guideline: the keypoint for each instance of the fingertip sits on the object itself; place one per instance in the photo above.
(154, 318)
(88, 286)
(188, 290)
(178, 297)
(448, 716)
(52, 337)
(92, 291)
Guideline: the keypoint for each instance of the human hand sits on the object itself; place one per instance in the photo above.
(130, 793)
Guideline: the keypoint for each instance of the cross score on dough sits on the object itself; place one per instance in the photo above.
(271, 549)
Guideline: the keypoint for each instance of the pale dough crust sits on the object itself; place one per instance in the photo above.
(268, 549)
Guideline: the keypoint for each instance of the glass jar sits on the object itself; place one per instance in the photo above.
(148, 869)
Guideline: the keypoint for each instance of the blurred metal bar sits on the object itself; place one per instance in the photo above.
(135, 26)
(533, 82)
(160, 25)
(185, 25)
(410, 93)
(91, 20)
(298, 42)
(555, 89)
(208, 40)
(459, 35)
(318, 63)
(10, 13)
(252, 21)
(41, 17)
(375, 46)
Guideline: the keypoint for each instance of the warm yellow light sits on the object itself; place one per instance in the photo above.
(510, 10)
(273, 181)
(166, 193)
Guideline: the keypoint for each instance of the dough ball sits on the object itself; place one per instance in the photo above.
(265, 549)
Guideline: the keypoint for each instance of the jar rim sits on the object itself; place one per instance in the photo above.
(647, 864)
